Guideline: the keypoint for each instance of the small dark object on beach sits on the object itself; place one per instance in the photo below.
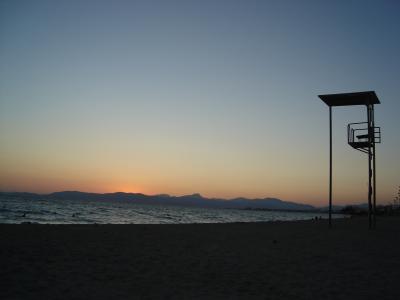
(274, 241)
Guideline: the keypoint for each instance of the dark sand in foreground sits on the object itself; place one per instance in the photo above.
(285, 260)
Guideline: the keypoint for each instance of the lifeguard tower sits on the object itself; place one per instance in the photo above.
(362, 136)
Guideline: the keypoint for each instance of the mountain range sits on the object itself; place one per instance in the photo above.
(186, 200)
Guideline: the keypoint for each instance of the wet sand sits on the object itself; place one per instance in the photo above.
(283, 260)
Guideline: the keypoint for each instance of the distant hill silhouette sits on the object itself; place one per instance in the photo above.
(186, 200)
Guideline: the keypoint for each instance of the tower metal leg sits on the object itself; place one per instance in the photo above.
(373, 165)
(369, 167)
(330, 166)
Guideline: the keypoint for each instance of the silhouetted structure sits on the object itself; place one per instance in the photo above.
(361, 136)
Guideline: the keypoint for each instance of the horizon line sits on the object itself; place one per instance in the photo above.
(184, 195)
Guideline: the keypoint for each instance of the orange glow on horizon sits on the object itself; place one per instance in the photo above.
(124, 188)
(301, 189)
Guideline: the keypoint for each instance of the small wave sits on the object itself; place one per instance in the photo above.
(47, 212)
(41, 212)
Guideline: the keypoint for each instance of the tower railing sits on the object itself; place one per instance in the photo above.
(357, 136)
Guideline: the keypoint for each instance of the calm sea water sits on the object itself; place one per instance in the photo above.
(17, 210)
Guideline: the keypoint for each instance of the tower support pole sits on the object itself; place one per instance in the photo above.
(373, 165)
(330, 166)
(369, 167)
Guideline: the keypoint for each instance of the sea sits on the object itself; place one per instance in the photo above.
(17, 210)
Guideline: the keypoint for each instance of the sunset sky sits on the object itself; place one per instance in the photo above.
(181, 97)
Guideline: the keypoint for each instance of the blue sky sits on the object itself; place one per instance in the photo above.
(215, 97)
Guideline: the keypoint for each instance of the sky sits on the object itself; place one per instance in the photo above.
(212, 97)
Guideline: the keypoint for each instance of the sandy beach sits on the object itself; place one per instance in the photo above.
(281, 260)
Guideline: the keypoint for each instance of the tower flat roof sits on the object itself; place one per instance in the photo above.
(345, 99)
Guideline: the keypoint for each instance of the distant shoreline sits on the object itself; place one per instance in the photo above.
(195, 200)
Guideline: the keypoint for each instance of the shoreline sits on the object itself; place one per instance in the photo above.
(313, 218)
(198, 223)
(256, 260)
